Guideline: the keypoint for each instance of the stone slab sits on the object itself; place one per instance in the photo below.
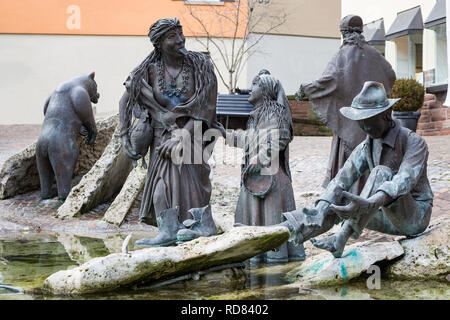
(324, 269)
(426, 256)
(127, 196)
(150, 264)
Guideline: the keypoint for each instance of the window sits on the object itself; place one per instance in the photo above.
(441, 70)
(409, 56)
(407, 33)
(436, 22)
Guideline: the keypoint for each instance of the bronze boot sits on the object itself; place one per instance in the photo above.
(201, 225)
(296, 252)
(168, 226)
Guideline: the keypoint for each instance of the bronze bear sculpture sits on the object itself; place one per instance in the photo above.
(68, 113)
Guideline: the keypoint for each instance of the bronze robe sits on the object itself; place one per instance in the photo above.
(184, 185)
(267, 210)
(355, 63)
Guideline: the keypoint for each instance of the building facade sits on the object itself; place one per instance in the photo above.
(412, 36)
(298, 51)
(43, 43)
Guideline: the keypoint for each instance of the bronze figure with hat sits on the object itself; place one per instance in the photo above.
(396, 199)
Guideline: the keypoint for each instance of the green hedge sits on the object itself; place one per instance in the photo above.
(293, 97)
(411, 93)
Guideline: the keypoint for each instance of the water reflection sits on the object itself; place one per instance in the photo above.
(82, 249)
(30, 261)
(27, 260)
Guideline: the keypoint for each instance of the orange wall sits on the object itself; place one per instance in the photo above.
(98, 17)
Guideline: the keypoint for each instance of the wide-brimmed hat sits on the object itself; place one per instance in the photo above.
(371, 101)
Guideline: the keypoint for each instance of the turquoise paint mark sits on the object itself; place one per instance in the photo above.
(316, 267)
(344, 271)
(353, 254)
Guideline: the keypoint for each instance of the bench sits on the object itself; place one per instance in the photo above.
(233, 105)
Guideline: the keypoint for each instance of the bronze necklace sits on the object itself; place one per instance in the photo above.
(171, 89)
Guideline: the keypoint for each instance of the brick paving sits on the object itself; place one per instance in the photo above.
(308, 162)
(14, 138)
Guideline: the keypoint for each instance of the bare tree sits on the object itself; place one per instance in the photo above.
(243, 23)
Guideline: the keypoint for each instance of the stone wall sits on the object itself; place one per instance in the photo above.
(307, 122)
(435, 117)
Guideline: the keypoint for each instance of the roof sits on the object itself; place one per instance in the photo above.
(374, 32)
(233, 105)
(407, 22)
(437, 15)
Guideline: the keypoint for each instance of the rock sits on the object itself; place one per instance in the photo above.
(90, 154)
(151, 264)
(7, 227)
(324, 269)
(101, 183)
(19, 173)
(125, 200)
(426, 256)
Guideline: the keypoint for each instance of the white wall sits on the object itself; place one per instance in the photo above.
(224, 48)
(32, 66)
(293, 60)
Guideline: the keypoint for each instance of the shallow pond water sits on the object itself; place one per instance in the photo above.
(26, 260)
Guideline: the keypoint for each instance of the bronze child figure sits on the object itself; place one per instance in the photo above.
(178, 90)
(266, 186)
(68, 113)
(397, 197)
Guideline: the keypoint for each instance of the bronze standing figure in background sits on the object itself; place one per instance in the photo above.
(355, 63)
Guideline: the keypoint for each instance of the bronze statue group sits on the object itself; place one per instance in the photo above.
(377, 171)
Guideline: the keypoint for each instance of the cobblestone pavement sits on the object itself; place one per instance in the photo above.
(308, 162)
